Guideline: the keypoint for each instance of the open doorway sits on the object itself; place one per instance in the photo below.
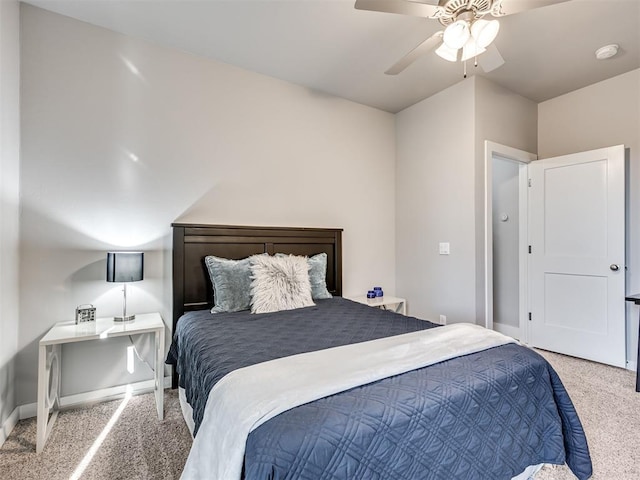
(506, 184)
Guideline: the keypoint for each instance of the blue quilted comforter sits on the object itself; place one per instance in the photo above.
(482, 416)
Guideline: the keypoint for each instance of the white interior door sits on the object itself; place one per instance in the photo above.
(577, 256)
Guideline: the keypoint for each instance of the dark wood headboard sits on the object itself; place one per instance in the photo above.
(192, 288)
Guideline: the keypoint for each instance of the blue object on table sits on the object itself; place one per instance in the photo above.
(371, 294)
(378, 291)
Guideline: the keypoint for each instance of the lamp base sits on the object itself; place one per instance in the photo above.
(127, 319)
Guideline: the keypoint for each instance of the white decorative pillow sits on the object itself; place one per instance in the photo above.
(279, 283)
(317, 275)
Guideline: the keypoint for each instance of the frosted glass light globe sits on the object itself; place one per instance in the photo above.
(447, 53)
(456, 34)
(485, 31)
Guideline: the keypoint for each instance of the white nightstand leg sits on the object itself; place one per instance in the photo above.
(57, 350)
(45, 405)
(159, 368)
(400, 307)
(43, 387)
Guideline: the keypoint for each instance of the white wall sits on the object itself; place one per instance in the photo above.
(435, 203)
(601, 115)
(212, 144)
(9, 196)
(440, 192)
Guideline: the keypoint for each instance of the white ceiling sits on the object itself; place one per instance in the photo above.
(329, 46)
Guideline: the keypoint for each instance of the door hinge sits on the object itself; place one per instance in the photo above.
(529, 316)
(529, 248)
(529, 182)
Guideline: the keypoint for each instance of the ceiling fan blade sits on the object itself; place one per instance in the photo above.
(403, 7)
(425, 47)
(491, 59)
(509, 7)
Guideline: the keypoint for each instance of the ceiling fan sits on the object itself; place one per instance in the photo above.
(467, 33)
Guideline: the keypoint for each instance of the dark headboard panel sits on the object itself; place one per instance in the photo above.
(192, 242)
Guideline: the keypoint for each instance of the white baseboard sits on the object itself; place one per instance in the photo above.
(113, 393)
(8, 425)
(508, 330)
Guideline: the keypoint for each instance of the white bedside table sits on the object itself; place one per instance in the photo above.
(397, 304)
(49, 358)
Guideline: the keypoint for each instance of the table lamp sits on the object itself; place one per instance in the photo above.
(125, 267)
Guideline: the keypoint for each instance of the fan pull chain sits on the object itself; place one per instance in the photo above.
(475, 64)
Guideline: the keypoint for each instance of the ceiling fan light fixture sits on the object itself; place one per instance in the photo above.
(457, 34)
(485, 31)
(447, 53)
(471, 49)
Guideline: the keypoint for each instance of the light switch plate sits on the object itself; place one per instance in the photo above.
(444, 248)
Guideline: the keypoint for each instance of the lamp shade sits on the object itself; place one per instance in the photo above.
(125, 266)
(449, 54)
(485, 31)
(470, 50)
(456, 34)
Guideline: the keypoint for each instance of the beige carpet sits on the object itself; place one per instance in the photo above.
(609, 408)
(140, 447)
(137, 447)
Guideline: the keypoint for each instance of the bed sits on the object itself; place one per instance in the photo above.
(498, 412)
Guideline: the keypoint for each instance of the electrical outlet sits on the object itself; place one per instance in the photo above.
(443, 319)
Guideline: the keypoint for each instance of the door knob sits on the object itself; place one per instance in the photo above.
(614, 267)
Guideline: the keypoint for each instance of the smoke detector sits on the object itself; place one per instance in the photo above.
(607, 51)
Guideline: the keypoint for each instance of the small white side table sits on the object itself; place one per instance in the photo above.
(49, 358)
(397, 304)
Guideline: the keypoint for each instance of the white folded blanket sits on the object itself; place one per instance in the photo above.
(246, 398)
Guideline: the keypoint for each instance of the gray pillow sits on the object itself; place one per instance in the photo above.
(231, 281)
(279, 283)
(317, 275)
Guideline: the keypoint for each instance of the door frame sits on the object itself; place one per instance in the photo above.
(523, 158)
